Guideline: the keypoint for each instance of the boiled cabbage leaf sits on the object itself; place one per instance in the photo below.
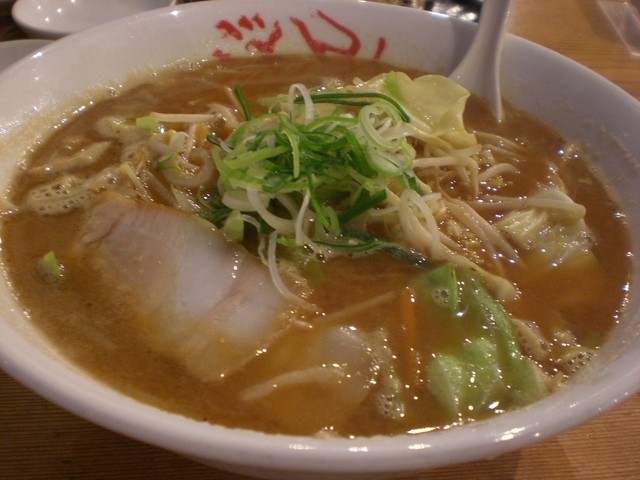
(486, 369)
(432, 99)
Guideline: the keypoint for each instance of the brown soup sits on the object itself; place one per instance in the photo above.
(567, 309)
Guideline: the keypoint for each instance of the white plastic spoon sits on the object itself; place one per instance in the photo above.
(479, 70)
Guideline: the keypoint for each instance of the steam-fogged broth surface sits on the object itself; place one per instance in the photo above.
(384, 352)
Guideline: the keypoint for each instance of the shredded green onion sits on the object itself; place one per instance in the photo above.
(163, 163)
(358, 99)
(213, 139)
(342, 162)
(243, 102)
(214, 210)
(51, 267)
(363, 202)
(146, 123)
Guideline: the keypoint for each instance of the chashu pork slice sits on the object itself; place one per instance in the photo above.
(202, 299)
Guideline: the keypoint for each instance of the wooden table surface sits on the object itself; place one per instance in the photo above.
(40, 441)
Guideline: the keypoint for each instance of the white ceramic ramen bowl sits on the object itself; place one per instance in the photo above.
(571, 99)
(57, 18)
(14, 50)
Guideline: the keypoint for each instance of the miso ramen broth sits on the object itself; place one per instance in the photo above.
(476, 279)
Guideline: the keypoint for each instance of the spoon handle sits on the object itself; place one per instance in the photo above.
(479, 70)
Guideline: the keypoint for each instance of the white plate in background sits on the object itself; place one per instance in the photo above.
(57, 18)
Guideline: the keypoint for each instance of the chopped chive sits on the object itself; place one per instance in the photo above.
(213, 139)
(315, 203)
(332, 157)
(350, 245)
(214, 210)
(346, 98)
(146, 123)
(51, 267)
(412, 183)
(363, 202)
(161, 163)
(392, 249)
(237, 91)
(294, 141)
(249, 158)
